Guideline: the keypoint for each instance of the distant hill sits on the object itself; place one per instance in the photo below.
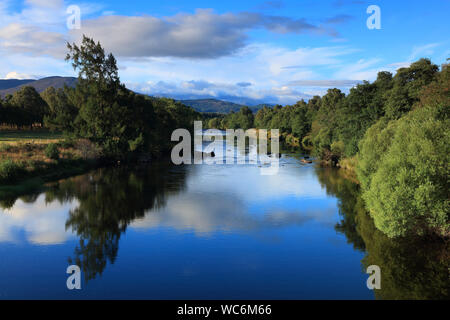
(12, 83)
(40, 85)
(200, 105)
(217, 106)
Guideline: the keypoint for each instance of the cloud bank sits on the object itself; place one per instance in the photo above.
(203, 34)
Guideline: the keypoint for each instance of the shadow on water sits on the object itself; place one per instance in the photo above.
(411, 268)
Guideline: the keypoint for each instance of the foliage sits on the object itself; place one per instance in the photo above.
(407, 86)
(24, 108)
(243, 119)
(414, 197)
(52, 152)
(10, 171)
(117, 120)
(61, 111)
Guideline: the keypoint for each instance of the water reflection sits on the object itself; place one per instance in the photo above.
(208, 213)
(42, 222)
(96, 209)
(412, 268)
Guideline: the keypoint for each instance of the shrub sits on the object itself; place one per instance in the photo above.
(67, 143)
(88, 149)
(337, 148)
(10, 171)
(52, 152)
(373, 147)
(407, 190)
(4, 147)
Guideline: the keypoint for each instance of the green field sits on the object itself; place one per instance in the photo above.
(10, 136)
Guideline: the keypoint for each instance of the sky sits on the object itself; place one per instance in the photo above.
(249, 52)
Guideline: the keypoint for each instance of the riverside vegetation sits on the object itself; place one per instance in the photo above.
(101, 121)
(394, 132)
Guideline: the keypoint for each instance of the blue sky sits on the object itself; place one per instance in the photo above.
(277, 51)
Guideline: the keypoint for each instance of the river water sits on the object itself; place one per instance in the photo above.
(208, 232)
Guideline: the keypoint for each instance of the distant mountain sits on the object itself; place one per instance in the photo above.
(217, 106)
(12, 83)
(40, 85)
(207, 105)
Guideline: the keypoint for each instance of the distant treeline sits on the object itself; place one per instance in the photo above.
(397, 131)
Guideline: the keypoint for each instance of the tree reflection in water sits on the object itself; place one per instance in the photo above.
(411, 268)
(109, 200)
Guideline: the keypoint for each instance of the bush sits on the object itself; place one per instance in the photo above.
(10, 171)
(337, 148)
(52, 152)
(373, 147)
(4, 147)
(67, 143)
(406, 190)
(88, 149)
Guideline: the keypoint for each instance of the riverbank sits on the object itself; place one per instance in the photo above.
(26, 166)
(347, 167)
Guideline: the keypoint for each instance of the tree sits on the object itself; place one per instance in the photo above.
(214, 123)
(61, 111)
(32, 106)
(243, 119)
(407, 85)
(263, 118)
(299, 122)
(408, 193)
(106, 111)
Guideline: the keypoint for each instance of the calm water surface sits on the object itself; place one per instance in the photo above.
(207, 232)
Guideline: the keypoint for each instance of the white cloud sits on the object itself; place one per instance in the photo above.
(203, 34)
(363, 69)
(20, 38)
(423, 51)
(20, 76)
(45, 3)
(268, 68)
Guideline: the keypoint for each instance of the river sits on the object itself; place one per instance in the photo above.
(208, 232)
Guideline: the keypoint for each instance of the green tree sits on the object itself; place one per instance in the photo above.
(408, 193)
(31, 105)
(107, 113)
(407, 85)
(61, 111)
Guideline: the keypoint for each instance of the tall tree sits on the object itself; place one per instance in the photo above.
(407, 84)
(106, 111)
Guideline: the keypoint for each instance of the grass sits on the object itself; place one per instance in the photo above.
(11, 171)
(29, 136)
(28, 158)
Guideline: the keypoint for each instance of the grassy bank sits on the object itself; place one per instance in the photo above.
(25, 166)
(347, 167)
(29, 136)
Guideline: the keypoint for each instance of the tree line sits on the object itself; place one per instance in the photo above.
(396, 129)
(120, 122)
